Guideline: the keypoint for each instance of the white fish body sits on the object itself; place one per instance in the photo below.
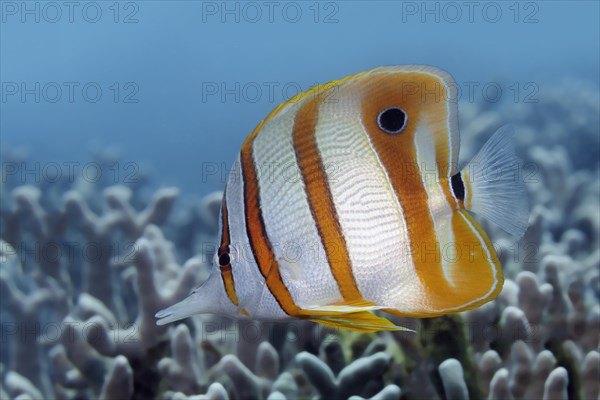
(348, 199)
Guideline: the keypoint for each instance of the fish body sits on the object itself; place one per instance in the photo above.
(348, 199)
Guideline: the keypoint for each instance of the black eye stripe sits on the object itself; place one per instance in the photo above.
(392, 120)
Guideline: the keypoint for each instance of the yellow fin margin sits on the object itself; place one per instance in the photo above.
(359, 321)
(351, 315)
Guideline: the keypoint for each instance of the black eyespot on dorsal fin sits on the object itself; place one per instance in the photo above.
(392, 120)
(458, 186)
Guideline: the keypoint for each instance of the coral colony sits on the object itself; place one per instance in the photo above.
(86, 265)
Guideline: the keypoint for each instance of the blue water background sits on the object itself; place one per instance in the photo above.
(172, 51)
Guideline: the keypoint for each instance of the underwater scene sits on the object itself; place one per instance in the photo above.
(300, 200)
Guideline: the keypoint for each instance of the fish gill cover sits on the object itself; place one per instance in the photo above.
(119, 123)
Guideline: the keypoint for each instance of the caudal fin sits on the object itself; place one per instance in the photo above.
(494, 187)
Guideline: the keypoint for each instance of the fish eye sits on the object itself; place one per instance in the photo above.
(392, 120)
(224, 259)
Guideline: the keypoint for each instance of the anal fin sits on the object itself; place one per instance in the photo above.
(351, 315)
(359, 321)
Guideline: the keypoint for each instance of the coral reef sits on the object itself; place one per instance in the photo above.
(85, 265)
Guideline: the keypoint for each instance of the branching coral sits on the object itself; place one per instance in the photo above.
(85, 266)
